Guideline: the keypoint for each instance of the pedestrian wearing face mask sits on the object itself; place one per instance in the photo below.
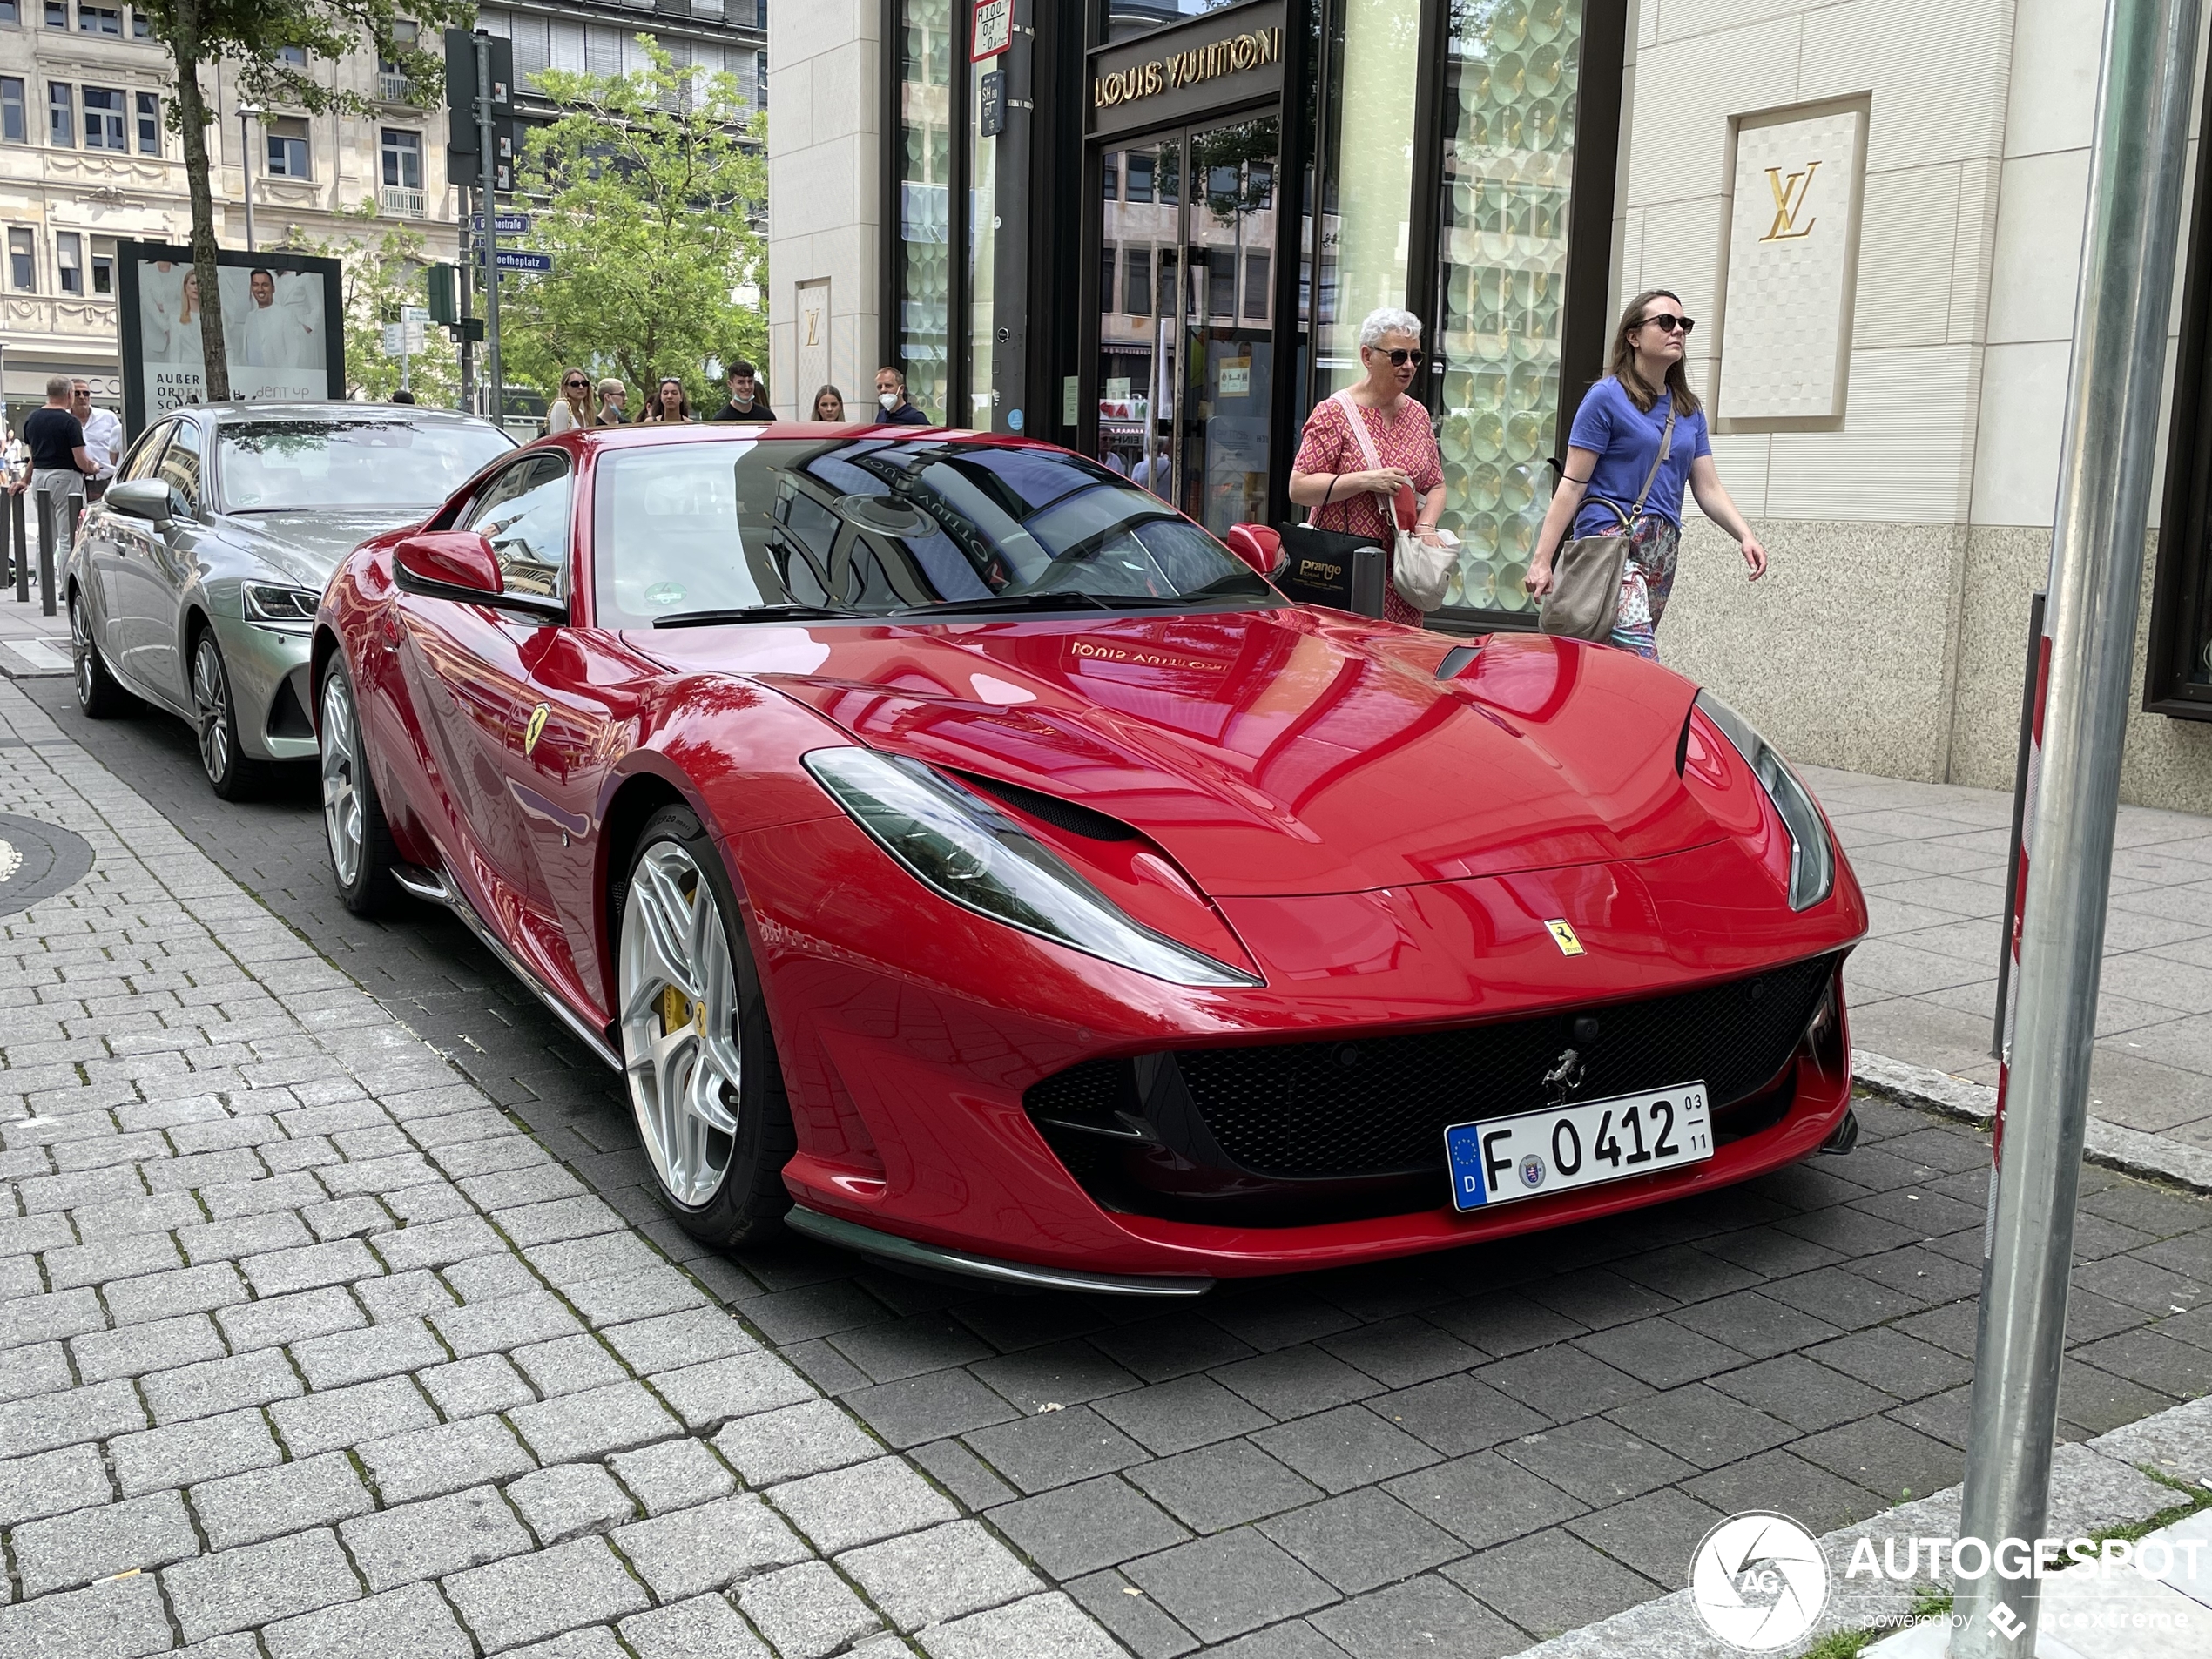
(746, 403)
(891, 399)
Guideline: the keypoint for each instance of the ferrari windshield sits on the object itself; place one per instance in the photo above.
(287, 466)
(876, 527)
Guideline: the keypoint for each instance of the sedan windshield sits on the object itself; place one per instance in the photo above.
(875, 527)
(282, 466)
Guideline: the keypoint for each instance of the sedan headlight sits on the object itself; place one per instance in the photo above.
(957, 844)
(1812, 860)
(288, 611)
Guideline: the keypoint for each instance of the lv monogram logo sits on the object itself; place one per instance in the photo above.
(1789, 195)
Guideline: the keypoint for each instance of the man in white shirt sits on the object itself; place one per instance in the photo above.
(103, 437)
(275, 337)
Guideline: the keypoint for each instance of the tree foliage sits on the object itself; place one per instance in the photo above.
(646, 191)
(386, 267)
(253, 36)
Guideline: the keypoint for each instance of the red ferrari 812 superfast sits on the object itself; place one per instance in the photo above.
(968, 859)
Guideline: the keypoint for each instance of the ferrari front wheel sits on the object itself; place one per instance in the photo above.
(361, 854)
(697, 1056)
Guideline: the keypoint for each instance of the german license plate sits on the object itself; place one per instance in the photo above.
(1577, 1146)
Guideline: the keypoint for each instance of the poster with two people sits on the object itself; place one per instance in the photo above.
(282, 318)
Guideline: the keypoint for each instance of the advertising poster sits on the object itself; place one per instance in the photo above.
(281, 324)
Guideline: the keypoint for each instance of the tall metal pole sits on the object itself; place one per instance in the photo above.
(246, 161)
(2136, 176)
(494, 383)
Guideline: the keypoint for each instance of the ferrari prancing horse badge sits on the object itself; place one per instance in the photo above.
(537, 727)
(1563, 936)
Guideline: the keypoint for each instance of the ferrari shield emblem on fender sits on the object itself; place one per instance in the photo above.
(536, 728)
(1563, 936)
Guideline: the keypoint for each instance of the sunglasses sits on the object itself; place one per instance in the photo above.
(572, 383)
(1400, 358)
(1666, 322)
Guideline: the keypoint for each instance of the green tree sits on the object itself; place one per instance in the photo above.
(386, 268)
(253, 34)
(646, 190)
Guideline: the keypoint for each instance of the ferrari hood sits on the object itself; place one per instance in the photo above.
(1269, 752)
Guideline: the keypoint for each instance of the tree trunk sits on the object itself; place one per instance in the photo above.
(192, 113)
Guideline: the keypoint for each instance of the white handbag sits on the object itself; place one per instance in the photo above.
(1418, 570)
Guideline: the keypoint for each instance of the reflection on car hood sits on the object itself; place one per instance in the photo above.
(306, 546)
(1278, 752)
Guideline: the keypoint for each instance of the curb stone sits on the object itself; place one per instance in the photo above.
(2113, 1145)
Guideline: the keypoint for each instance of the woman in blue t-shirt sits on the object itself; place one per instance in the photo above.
(1616, 438)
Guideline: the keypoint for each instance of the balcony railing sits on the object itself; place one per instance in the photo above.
(394, 88)
(402, 203)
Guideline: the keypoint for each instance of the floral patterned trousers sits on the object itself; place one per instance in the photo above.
(1647, 580)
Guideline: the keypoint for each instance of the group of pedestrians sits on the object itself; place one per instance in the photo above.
(1638, 443)
(67, 453)
(748, 401)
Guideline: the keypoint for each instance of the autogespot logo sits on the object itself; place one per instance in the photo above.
(1758, 1582)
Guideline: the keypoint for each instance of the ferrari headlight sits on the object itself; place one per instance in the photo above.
(289, 610)
(1812, 859)
(959, 844)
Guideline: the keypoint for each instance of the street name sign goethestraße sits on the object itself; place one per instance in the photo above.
(510, 224)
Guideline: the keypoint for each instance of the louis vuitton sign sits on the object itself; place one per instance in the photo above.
(1215, 60)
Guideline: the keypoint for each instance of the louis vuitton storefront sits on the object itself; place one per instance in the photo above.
(1162, 254)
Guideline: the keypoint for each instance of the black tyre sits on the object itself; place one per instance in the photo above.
(698, 1059)
(361, 854)
(230, 774)
(96, 692)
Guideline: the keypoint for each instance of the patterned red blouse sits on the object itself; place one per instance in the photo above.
(1402, 438)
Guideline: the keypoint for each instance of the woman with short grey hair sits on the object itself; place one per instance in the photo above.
(1331, 475)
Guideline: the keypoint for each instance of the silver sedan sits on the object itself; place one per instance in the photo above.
(194, 582)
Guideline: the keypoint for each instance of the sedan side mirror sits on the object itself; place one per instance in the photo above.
(461, 565)
(146, 498)
(1256, 545)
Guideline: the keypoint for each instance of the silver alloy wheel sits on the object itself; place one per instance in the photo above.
(211, 694)
(80, 646)
(679, 1039)
(342, 801)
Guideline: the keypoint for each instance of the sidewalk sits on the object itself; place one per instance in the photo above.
(1923, 988)
(31, 642)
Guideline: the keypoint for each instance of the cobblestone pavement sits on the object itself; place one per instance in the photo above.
(1459, 1453)
(1923, 986)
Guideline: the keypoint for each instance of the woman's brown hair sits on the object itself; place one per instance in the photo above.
(1623, 365)
(658, 410)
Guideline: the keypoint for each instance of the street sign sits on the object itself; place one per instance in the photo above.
(512, 258)
(414, 313)
(994, 28)
(510, 224)
(402, 339)
(991, 106)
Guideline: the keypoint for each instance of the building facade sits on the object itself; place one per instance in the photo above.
(1152, 238)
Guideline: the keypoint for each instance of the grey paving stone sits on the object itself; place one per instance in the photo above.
(439, 1243)
(161, 1296)
(1483, 1499)
(567, 1365)
(1130, 1615)
(426, 1462)
(707, 1395)
(915, 1409)
(468, 1387)
(943, 1574)
(246, 1508)
(533, 1596)
(38, 1368)
(359, 1356)
(598, 1642)
(1657, 1534)
(216, 1241)
(675, 1341)
(708, 1548)
(594, 1423)
(498, 1277)
(706, 1626)
(809, 1438)
(1081, 1528)
(1293, 1382)
(570, 1501)
(1043, 1626)
(1362, 1539)
(1177, 1415)
(214, 1386)
(413, 1622)
(351, 1416)
(1703, 1426)
(39, 1318)
(1598, 1461)
(290, 1319)
(428, 1539)
(487, 1328)
(861, 1504)
(1550, 1583)
(1420, 1617)
(673, 1475)
(1226, 1585)
(239, 1588)
(51, 1483)
(204, 1449)
(807, 1611)
(656, 1290)
(106, 1622)
(1055, 1449)
(134, 1350)
(403, 1296)
(46, 1421)
(953, 1467)
(72, 1549)
(1227, 1484)
(1347, 1447)
(110, 1258)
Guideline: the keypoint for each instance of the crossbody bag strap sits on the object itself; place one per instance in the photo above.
(1666, 448)
(1359, 437)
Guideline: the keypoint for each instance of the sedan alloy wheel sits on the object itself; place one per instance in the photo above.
(96, 692)
(229, 771)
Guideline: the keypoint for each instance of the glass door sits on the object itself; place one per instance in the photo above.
(1187, 316)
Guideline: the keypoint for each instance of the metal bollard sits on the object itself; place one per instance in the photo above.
(19, 543)
(47, 524)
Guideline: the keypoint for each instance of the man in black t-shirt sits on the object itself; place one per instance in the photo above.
(59, 462)
(746, 403)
